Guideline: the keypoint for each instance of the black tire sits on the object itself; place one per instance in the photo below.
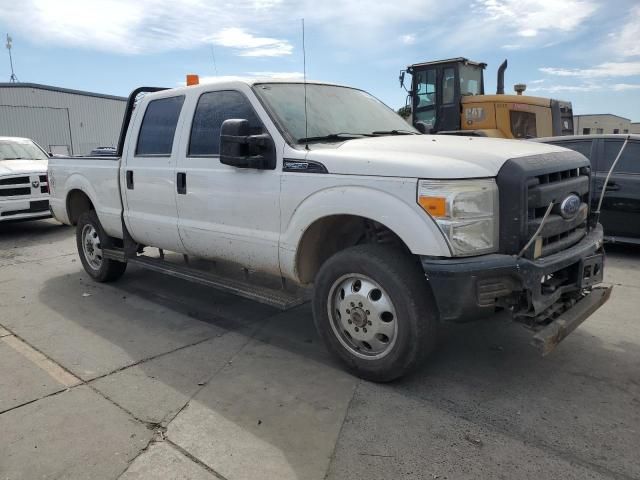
(108, 270)
(402, 280)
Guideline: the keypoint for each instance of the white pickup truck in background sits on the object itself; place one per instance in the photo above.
(24, 191)
(322, 185)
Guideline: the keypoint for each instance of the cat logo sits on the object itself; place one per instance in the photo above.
(474, 114)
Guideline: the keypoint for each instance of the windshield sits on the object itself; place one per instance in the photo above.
(20, 150)
(331, 111)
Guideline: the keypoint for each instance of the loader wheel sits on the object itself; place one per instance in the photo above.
(91, 239)
(373, 308)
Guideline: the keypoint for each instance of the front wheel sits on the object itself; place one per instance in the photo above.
(373, 309)
(91, 240)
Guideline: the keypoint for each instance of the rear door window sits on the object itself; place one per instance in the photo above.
(629, 161)
(580, 146)
(159, 126)
(214, 108)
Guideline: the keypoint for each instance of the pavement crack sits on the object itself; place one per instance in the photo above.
(159, 355)
(229, 361)
(195, 460)
(344, 419)
(53, 394)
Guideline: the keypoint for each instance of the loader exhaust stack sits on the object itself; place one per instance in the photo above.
(501, 69)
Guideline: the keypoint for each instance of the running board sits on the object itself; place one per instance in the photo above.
(276, 298)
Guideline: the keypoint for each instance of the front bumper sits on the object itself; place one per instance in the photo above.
(469, 288)
(30, 208)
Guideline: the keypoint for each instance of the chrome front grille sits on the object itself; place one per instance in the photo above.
(15, 187)
(14, 180)
(558, 232)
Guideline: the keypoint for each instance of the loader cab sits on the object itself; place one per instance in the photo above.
(436, 92)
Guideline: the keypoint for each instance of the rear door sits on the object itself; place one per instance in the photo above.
(620, 214)
(226, 212)
(148, 174)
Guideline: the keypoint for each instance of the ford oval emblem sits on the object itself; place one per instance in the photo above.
(570, 205)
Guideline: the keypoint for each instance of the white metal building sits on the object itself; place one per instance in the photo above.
(63, 121)
(599, 123)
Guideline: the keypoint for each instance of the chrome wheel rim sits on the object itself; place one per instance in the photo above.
(91, 247)
(363, 317)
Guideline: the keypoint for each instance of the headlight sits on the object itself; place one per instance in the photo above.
(465, 210)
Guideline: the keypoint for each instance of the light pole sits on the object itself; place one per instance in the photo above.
(12, 78)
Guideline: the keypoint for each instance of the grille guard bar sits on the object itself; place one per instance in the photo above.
(547, 339)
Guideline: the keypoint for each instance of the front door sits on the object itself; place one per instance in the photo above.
(225, 212)
(436, 102)
(620, 215)
(448, 100)
(147, 177)
(425, 98)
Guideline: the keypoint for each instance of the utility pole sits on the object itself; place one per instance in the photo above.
(12, 78)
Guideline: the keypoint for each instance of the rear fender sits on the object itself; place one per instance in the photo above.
(109, 216)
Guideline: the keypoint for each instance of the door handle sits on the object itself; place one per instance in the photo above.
(181, 183)
(611, 187)
(130, 179)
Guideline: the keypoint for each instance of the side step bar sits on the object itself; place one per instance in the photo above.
(276, 298)
(547, 339)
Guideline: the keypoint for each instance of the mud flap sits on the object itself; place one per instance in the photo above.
(547, 339)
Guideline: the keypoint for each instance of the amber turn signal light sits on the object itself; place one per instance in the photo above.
(434, 206)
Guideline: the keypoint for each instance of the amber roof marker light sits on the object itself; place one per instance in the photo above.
(192, 79)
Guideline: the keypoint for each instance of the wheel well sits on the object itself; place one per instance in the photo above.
(329, 235)
(78, 202)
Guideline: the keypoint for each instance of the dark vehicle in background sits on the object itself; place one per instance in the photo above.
(620, 215)
(103, 152)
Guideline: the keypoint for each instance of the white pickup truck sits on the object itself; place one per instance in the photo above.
(323, 185)
(24, 191)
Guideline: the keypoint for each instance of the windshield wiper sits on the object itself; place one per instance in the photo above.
(334, 136)
(394, 132)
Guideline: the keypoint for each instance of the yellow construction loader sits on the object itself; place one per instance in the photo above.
(447, 97)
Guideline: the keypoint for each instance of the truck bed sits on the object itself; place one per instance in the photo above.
(98, 178)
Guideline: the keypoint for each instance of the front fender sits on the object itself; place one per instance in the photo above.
(407, 220)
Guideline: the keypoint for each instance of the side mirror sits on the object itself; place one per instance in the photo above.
(401, 78)
(240, 149)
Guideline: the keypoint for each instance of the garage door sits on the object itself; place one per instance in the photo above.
(47, 126)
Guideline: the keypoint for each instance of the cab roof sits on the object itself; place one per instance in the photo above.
(464, 60)
(234, 82)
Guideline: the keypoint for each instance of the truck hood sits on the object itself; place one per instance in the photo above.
(17, 167)
(424, 156)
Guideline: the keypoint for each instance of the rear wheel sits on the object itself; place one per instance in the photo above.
(91, 240)
(373, 309)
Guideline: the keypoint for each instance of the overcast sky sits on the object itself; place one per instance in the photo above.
(585, 51)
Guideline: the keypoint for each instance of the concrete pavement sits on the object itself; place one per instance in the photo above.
(151, 377)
